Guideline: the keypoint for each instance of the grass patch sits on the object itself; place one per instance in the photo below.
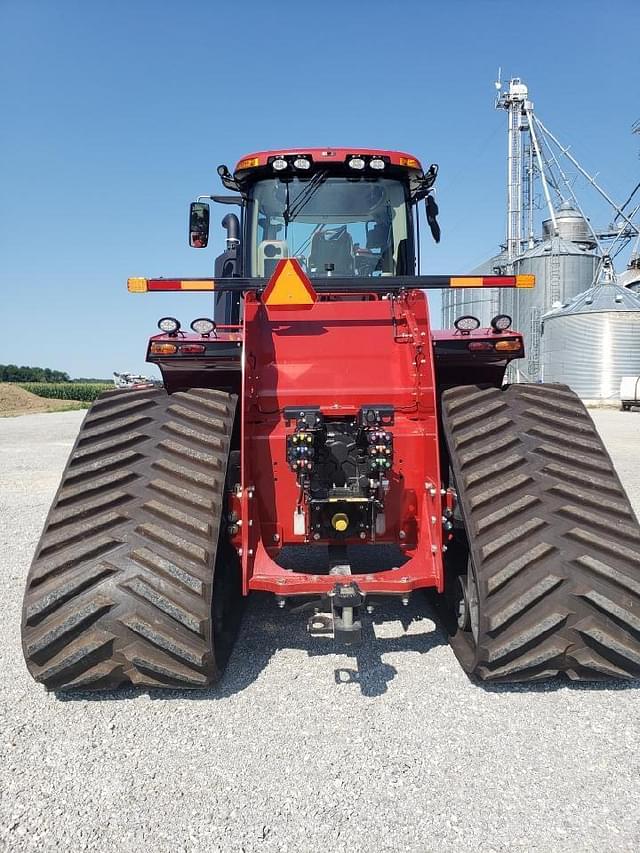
(84, 392)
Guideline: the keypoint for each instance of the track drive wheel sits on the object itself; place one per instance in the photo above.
(132, 564)
(547, 577)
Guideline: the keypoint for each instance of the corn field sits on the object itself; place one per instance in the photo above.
(86, 392)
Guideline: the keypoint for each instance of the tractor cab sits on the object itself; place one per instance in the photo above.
(339, 213)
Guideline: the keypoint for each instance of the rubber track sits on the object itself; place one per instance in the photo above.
(120, 589)
(552, 535)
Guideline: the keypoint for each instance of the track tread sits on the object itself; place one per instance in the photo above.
(121, 587)
(552, 535)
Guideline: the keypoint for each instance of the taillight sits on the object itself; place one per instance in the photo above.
(157, 348)
(508, 346)
(191, 348)
(493, 346)
(480, 346)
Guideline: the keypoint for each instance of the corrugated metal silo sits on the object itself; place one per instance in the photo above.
(564, 266)
(571, 224)
(593, 341)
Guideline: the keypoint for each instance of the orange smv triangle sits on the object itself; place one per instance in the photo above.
(289, 287)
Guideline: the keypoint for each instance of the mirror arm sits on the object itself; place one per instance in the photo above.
(224, 199)
(229, 199)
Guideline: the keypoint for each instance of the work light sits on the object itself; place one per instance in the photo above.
(203, 326)
(302, 163)
(467, 323)
(169, 325)
(501, 322)
(356, 163)
(279, 164)
(377, 163)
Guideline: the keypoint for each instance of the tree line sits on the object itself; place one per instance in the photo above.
(13, 373)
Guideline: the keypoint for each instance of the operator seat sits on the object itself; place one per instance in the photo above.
(335, 247)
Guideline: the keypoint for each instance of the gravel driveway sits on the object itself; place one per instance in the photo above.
(303, 748)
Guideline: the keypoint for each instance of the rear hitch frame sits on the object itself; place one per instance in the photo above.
(342, 620)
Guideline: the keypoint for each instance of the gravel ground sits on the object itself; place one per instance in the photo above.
(301, 747)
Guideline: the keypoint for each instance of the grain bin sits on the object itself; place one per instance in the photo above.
(591, 342)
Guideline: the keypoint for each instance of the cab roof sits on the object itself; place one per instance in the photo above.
(328, 156)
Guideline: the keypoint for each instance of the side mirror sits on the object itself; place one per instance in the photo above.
(198, 225)
(432, 217)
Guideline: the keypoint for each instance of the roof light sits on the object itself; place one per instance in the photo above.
(377, 163)
(203, 326)
(248, 163)
(279, 164)
(302, 163)
(467, 324)
(357, 163)
(169, 325)
(501, 322)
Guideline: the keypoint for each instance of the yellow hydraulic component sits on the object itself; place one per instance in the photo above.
(340, 522)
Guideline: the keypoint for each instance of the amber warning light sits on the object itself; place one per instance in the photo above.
(289, 287)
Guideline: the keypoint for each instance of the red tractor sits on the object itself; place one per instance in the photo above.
(313, 420)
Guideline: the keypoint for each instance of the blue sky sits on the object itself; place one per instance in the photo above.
(115, 114)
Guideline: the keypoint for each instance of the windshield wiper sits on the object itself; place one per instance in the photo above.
(304, 196)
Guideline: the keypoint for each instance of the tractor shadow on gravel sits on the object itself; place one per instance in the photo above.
(267, 630)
